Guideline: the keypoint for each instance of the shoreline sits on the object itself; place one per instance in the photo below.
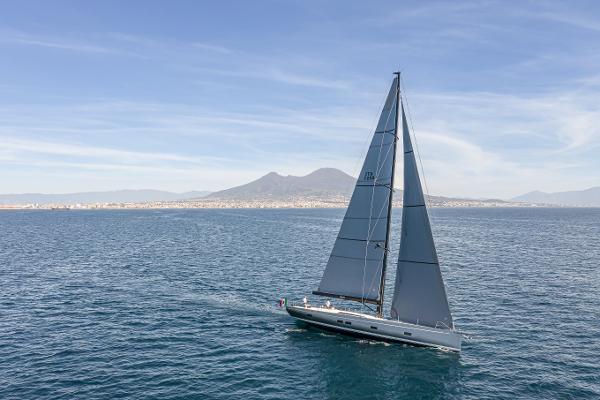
(268, 207)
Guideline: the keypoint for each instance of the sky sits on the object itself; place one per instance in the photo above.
(187, 95)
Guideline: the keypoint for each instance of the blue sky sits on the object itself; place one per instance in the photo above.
(194, 95)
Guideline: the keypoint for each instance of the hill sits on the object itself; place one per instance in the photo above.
(581, 198)
(322, 183)
(325, 186)
(117, 196)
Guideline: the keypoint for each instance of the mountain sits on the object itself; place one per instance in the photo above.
(323, 187)
(322, 183)
(325, 184)
(582, 198)
(117, 196)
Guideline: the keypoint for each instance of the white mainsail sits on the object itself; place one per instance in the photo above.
(419, 295)
(357, 260)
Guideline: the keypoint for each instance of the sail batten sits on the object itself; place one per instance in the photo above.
(356, 264)
(419, 293)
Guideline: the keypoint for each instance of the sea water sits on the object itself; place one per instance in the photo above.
(174, 304)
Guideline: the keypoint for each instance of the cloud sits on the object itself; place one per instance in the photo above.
(102, 168)
(472, 143)
(564, 121)
(224, 147)
(271, 72)
(60, 43)
(212, 47)
(293, 79)
(285, 108)
(567, 17)
(498, 145)
(127, 157)
(119, 118)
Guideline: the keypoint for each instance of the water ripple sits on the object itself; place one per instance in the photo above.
(181, 304)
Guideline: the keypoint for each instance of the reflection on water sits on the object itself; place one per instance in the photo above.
(348, 367)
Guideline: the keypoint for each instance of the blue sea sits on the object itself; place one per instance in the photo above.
(180, 304)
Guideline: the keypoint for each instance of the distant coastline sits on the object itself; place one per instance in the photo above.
(322, 188)
(261, 204)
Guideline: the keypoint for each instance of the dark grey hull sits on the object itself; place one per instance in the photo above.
(366, 326)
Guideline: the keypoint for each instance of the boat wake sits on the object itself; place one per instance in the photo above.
(233, 302)
(327, 334)
(294, 330)
(373, 342)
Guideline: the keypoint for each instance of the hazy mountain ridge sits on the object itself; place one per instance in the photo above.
(324, 186)
(580, 198)
(323, 183)
(116, 196)
(327, 184)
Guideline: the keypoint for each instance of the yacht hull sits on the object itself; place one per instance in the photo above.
(357, 324)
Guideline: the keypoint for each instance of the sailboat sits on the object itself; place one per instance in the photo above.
(356, 269)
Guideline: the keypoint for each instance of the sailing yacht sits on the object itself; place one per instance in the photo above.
(356, 270)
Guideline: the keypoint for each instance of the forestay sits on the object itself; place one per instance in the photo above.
(356, 262)
(419, 295)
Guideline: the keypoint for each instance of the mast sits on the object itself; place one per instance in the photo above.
(386, 249)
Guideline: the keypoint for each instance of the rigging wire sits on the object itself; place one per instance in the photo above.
(357, 171)
(414, 135)
(378, 170)
(364, 149)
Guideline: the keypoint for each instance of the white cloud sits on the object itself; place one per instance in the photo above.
(126, 156)
(492, 145)
(212, 47)
(568, 17)
(472, 144)
(60, 43)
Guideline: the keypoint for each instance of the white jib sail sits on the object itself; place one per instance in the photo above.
(355, 265)
(419, 294)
